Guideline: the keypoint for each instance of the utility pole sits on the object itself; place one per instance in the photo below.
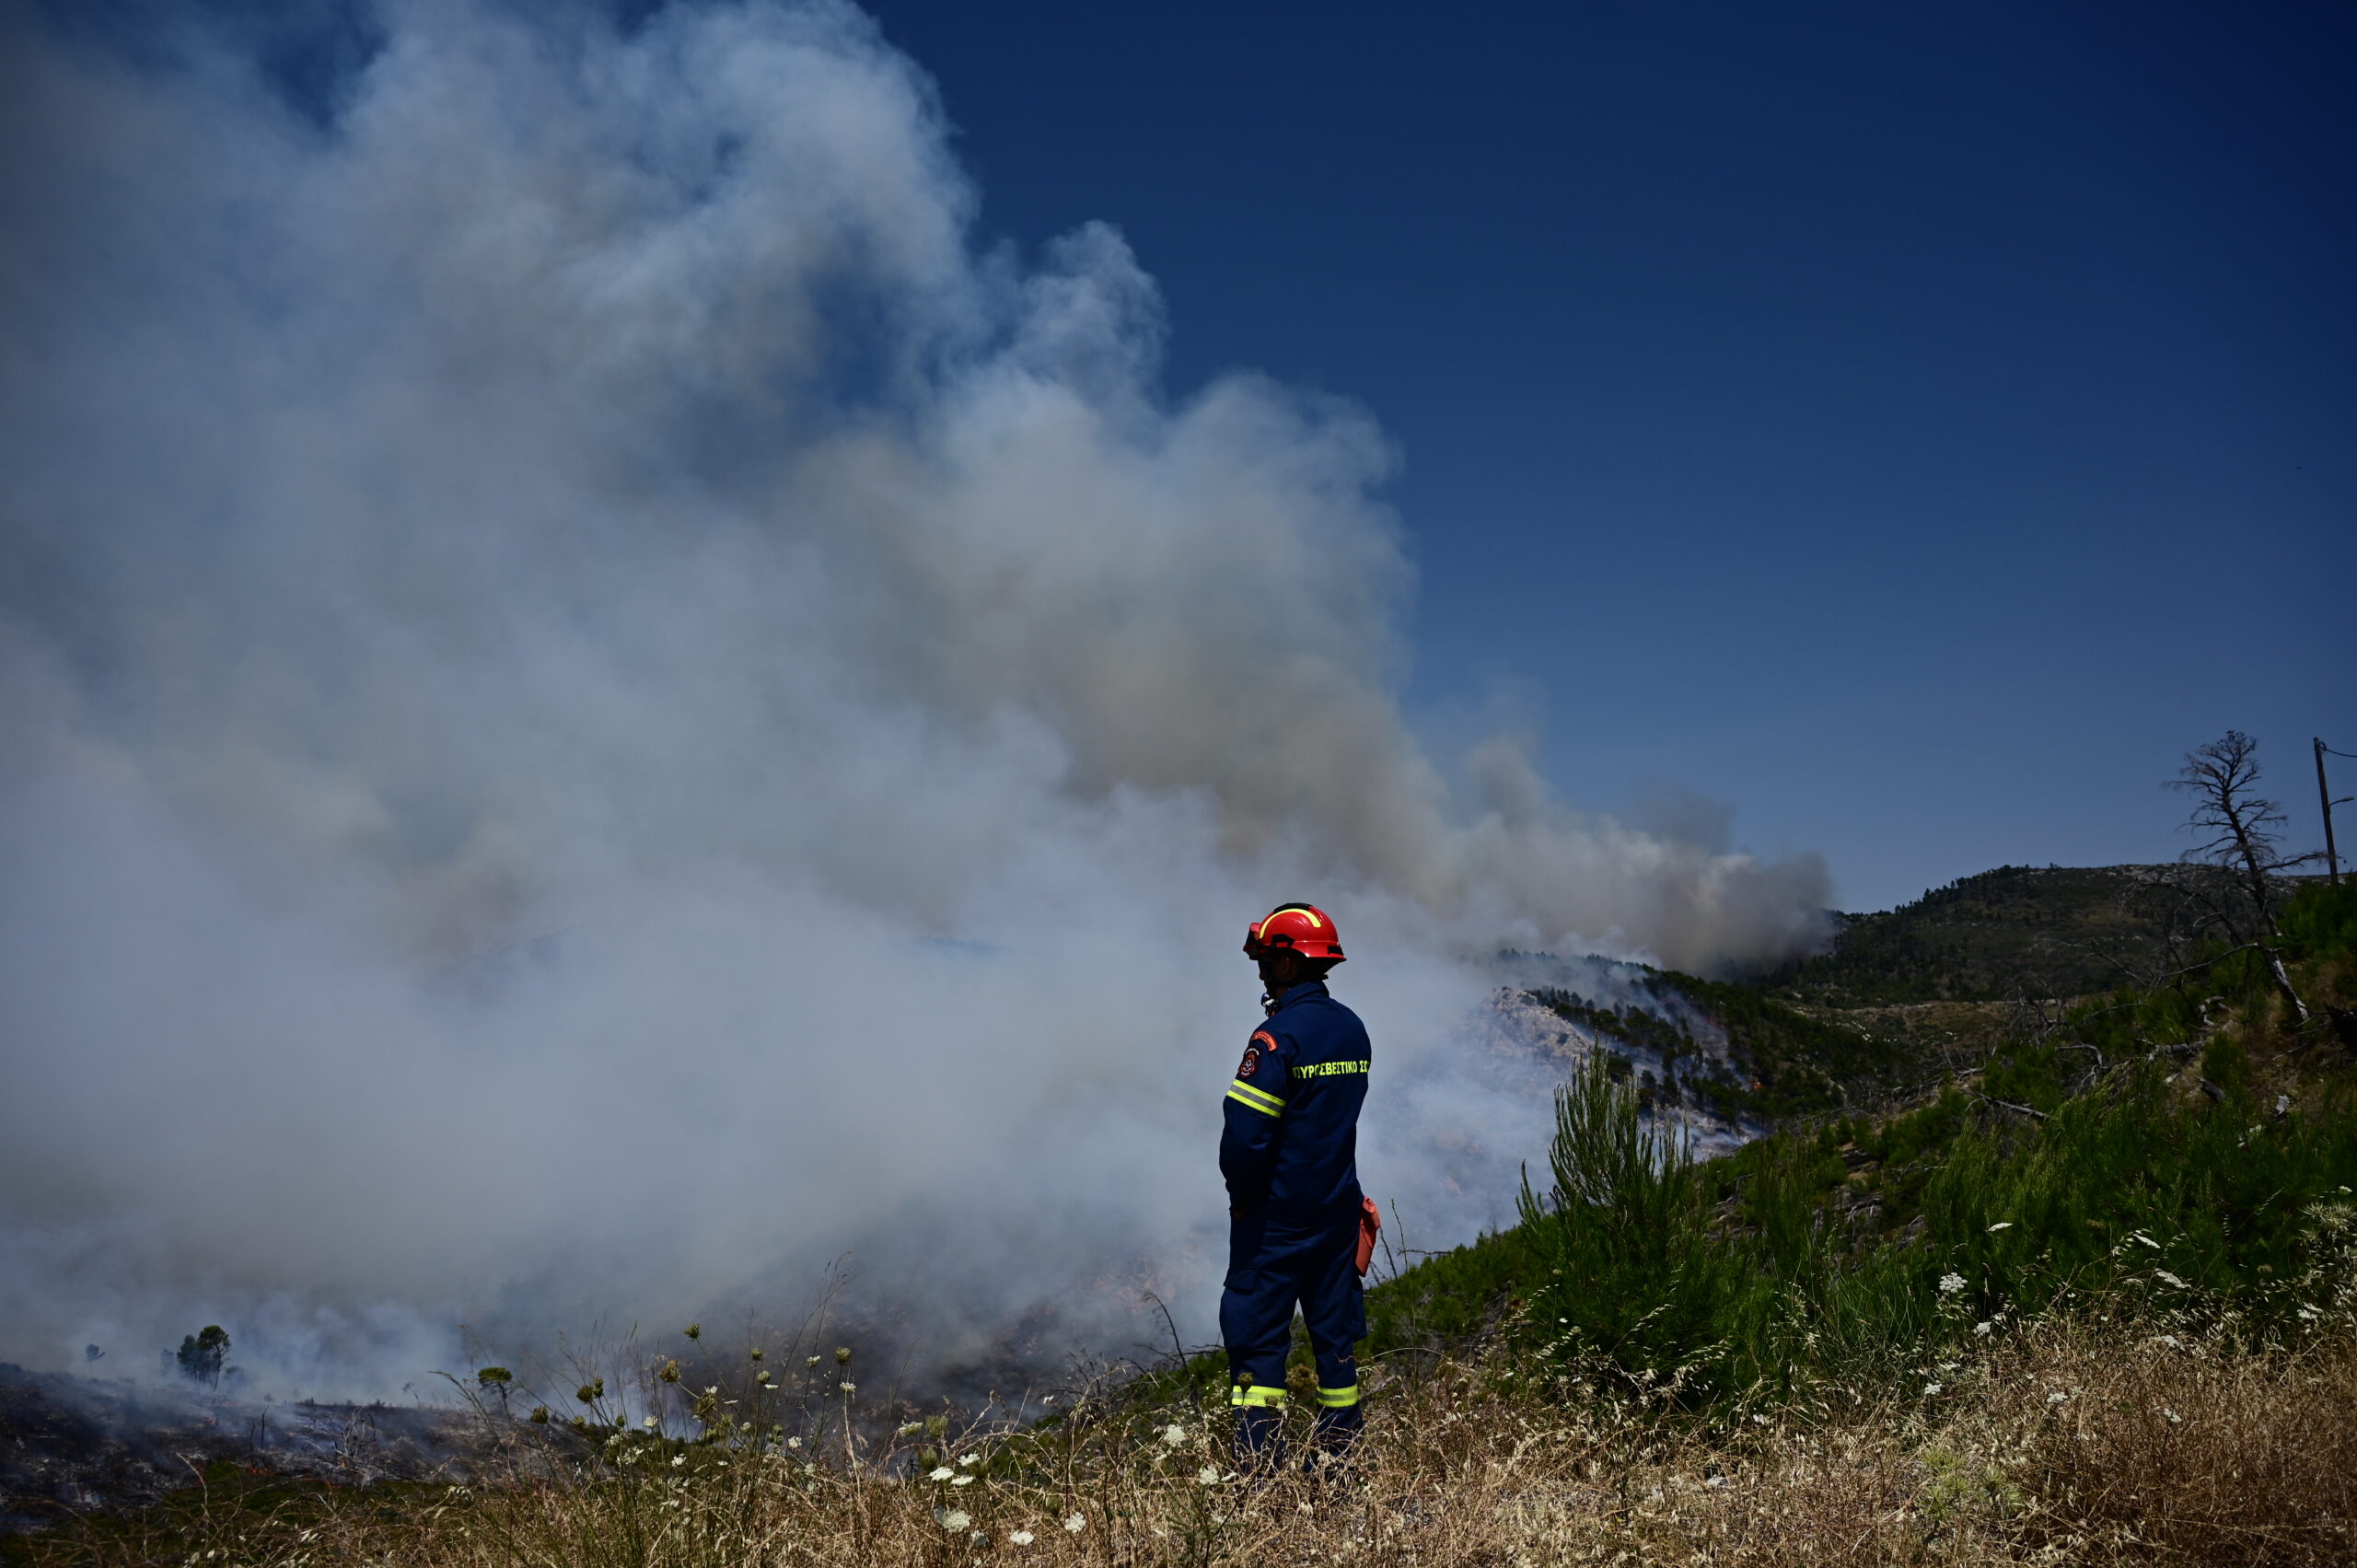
(2324, 796)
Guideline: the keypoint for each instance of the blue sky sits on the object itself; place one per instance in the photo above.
(1912, 426)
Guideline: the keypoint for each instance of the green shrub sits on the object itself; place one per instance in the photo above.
(1451, 1298)
(1779, 1267)
(1626, 1273)
(2319, 919)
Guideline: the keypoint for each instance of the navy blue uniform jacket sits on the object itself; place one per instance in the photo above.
(1290, 1148)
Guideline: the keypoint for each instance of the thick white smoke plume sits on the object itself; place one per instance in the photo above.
(595, 700)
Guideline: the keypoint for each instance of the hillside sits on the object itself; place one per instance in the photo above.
(1904, 997)
(2195, 1116)
(2018, 930)
(1729, 1054)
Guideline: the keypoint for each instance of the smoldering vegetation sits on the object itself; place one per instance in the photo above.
(602, 700)
(75, 1445)
(934, 1329)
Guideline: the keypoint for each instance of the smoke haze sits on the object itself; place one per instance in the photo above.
(599, 701)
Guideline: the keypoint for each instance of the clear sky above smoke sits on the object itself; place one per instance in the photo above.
(1845, 411)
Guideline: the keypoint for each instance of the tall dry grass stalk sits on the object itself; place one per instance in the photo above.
(2066, 1445)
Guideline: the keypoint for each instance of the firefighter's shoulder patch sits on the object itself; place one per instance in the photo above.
(1262, 1042)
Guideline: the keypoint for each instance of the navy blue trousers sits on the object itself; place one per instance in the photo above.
(1273, 1264)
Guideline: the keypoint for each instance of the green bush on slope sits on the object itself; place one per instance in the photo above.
(2131, 1188)
(1852, 1250)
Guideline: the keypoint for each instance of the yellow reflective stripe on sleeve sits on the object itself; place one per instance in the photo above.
(1338, 1398)
(1255, 1394)
(1253, 1091)
(1261, 1100)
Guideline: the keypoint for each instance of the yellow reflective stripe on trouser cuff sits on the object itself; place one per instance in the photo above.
(1255, 1394)
(1261, 1100)
(1338, 1398)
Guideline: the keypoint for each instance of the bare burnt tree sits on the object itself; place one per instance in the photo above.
(2237, 826)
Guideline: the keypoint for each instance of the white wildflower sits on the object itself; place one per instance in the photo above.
(961, 1480)
(1951, 1283)
(953, 1518)
(678, 1460)
(793, 1442)
(1981, 1329)
(649, 1423)
(848, 1387)
(967, 1458)
(1208, 1475)
(1174, 1435)
(1022, 1537)
(1930, 1389)
(2175, 1419)
(1075, 1523)
(939, 1472)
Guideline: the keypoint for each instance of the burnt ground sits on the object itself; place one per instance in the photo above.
(74, 1446)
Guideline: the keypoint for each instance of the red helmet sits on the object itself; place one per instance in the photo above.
(1300, 928)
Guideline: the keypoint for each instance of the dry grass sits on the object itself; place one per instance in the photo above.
(2154, 1453)
(2170, 1450)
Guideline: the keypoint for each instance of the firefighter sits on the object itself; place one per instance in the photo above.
(1289, 1153)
